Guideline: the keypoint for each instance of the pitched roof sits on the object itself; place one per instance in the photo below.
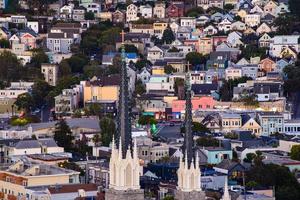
(27, 144)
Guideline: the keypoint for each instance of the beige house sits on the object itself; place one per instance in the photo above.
(230, 122)
(15, 178)
(263, 28)
(159, 28)
(50, 72)
(270, 7)
(251, 125)
(159, 10)
(205, 46)
(132, 13)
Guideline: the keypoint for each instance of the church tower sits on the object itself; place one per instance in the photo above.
(226, 195)
(189, 174)
(124, 167)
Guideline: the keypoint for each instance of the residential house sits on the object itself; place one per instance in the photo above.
(159, 28)
(103, 89)
(217, 17)
(263, 28)
(78, 14)
(188, 22)
(174, 27)
(144, 75)
(233, 52)
(210, 30)
(199, 90)
(183, 33)
(118, 16)
(252, 20)
(280, 42)
(281, 64)
(159, 10)
(18, 176)
(67, 102)
(238, 26)
(270, 7)
(282, 8)
(267, 65)
(250, 124)
(224, 25)
(264, 40)
(4, 33)
(159, 83)
(267, 91)
(132, 13)
(50, 72)
(233, 73)
(271, 122)
(202, 20)
(292, 127)
(234, 170)
(234, 39)
(250, 70)
(257, 10)
(218, 60)
(215, 155)
(154, 53)
(245, 5)
(175, 9)
(92, 7)
(216, 3)
(142, 28)
(3, 4)
(268, 18)
(146, 11)
(205, 46)
(230, 122)
(289, 53)
(66, 12)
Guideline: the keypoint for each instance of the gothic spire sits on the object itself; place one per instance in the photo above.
(124, 121)
(188, 137)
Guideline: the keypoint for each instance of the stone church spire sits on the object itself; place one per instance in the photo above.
(226, 195)
(188, 136)
(124, 166)
(124, 120)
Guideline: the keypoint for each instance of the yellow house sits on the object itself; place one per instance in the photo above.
(16, 177)
(158, 70)
(104, 89)
(253, 126)
(159, 28)
(288, 52)
(242, 14)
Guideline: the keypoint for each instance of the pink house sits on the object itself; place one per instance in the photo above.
(178, 106)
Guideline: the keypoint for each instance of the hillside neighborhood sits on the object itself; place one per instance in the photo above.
(150, 99)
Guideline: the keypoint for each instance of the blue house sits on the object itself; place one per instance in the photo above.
(215, 155)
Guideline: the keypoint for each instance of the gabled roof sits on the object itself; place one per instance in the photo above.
(27, 144)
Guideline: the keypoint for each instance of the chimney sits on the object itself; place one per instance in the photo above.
(65, 35)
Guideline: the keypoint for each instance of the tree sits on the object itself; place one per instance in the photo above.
(92, 70)
(139, 88)
(295, 152)
(195, 12)
(168, 197)
(140, 64)
(72, 166)
(77, 62)
(38, 57)
(173, 50)
(228, 7)
(129, 48)
(108, 129)
(10, 67)
(89, 16)
(97, 139)
(63, 135)
(292, 83)
(195, 58)
(147, 120)
(24, 102)
(40, 91)
(168, 36)
(285, 24)
(64, 68)
(179, 82)
(285, 182)
(226, 91)
(294, 7)
(249, 157)
(4, 43)
(252, 50)
(168, 69)
(207, 142)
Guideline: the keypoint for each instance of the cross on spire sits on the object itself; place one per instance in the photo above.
(188, 65)
(123, 36)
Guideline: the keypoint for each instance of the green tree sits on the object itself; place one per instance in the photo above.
(249, 157)
(294, 7)
(285, 24)
(168, 69)
(292, 83)
(139, 87)
(140, 64)
(38, 57)
(77, 62)
(295, 152)
(72, 166)
(64, 68)
(199, 127)
(179, 82)
(252, 50)
(207, 142)
(97, 139)
(89, 16)
(195, 12)
(195, 58)
(226, 91)
(168, 197)
(173, 50)
(92, 70)
(10, 67)
(63, 135)
(40, 91)
(147, 120)
(129, 48)
(168, 36)
(108, 129)
(4, 43)
(24, 102)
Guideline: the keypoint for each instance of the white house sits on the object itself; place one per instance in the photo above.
(224, 25)
(238, 26)
(279, 43)
(264, 40)
(263, 28)
(210, 30)
(144, 75)
(252, 20)
(146, 11)
(154, 53)
(188, 21)
(233, 37)
(132, 13)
